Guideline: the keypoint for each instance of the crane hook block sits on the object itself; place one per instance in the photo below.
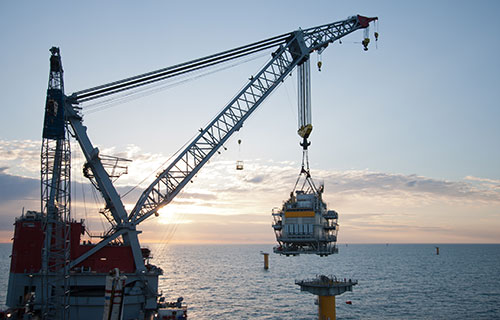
(319, 65)
(376, 36)
(365, 43)
(305, 131)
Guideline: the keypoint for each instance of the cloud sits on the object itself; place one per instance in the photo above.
(212, 228)
(255, 179)
(16, 193)
(385, 222)
(17, 187)
(198, 196)
(414, 186)
(372, 205)
(20, 157)
(484, 183)
(491, 181)
(218, 180)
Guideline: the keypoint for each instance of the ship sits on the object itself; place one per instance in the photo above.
(57, 272)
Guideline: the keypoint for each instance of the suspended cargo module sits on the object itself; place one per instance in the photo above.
(303, 224)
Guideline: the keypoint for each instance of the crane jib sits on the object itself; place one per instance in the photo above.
(182, 170)
(162, 74)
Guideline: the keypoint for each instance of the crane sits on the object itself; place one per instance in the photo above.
(64, 118)
(293, 48)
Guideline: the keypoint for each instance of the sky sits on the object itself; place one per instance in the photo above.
(405, 135)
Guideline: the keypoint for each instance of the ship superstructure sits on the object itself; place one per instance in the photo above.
(86, 279)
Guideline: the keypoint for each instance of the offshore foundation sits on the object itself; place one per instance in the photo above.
(57, 272)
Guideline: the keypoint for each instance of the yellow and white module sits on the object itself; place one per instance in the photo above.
(305, 225)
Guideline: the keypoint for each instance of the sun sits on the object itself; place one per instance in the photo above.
(172, 214)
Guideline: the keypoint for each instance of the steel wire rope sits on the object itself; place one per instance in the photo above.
(167, 76)
(172, 232)
(169, 232)
(175, 225)
(290, 103)
(198, 63)
(154, 88)
(184, 67)
(161, 166)
(79, 161)
(97, 205)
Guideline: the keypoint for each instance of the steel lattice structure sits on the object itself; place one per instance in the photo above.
(293, 49)
(56, 197)
(296, 49)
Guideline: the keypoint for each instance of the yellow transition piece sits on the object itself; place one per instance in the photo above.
(326, 305)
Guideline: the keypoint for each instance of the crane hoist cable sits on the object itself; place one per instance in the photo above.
(305, 171)
(166, 75)
(304, 120)
(142, 91)
(161, 74)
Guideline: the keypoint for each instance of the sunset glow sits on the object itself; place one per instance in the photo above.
(405, 137)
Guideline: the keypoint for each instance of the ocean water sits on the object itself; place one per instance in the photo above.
(395, 281)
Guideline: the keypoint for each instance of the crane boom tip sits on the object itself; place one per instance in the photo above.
(365, 21)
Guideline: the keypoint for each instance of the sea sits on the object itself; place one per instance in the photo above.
(395, 281)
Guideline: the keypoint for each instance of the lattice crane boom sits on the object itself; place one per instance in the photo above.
(293, 49)
(296, 49)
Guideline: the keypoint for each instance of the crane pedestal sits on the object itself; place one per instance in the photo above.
(326, 288)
